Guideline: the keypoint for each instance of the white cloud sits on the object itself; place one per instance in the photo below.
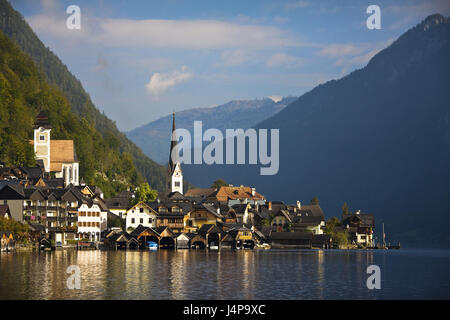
(284, 60)
(192, 34)
(160, 82)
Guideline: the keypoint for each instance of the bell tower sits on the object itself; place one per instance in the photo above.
(174, 173)
(42, 130)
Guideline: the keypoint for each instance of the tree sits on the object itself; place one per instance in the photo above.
(340, 239)
(345, 208)
(144, 193)
(331, 224)
(219, 183)
(315, 200)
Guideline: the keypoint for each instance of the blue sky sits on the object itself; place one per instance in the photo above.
(141, 60)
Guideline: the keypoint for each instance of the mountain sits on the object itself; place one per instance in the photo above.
(56, 73)
(154, 137)
(378, 139)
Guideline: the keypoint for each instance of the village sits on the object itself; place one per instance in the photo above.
(56, 209)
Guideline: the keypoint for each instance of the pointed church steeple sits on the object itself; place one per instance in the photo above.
(174, 173)
(173, 146)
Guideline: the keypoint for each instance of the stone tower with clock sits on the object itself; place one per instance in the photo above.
(174, 173)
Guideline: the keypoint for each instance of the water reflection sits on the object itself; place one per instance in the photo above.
(227, 274)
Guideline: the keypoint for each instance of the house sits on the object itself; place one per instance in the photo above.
(11, 193)
(92, 218)
(141, 213)
(281, 219)
(291, 240)
(242, 212)
(203, 214)
(121, 240)
(360, 228)
(183, 241)
(4, 211)
(236, 195)
(211, 233)
(313, 224)
(119, 204)
(243, 237)
(163, 236)
(322, 241)
(58, 156)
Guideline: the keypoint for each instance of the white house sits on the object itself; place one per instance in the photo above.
(140, 213)
(92, 219)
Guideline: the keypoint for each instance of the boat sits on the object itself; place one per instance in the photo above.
(152, 246)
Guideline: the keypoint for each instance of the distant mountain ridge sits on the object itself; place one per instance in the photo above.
(378, 139)
(154, 137)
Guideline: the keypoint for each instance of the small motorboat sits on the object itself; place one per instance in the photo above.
(152, 246)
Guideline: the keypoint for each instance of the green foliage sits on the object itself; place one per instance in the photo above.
(114, 221)
(144, 193)
(345, 209)
(101, 148)
(340, 239)
(19, 230)
(219, 183)
(331, 224)
(315, 200)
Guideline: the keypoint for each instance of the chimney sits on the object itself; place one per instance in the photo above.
(253, 192)
(218, 210)
(299, 205)
(270, 205)
(358, 212)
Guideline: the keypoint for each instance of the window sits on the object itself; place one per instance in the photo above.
(177, 183)
(141, 210)
(42, 138)
(132, 220)
(149, 220)
(141, 220)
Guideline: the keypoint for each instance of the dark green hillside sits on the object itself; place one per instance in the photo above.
(23, 92)
(56, 73)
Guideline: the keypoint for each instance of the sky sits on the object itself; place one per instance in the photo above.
(142, 60)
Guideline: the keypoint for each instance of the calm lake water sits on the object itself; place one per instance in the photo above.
(257, 274)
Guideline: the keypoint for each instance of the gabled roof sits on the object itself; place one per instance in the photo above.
(307, 220)
(139, 229)
(209, 228)
(236, 193)
(311, 209)
(240, 208)
(212, 210)
(199, 192)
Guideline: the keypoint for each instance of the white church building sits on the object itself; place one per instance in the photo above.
(59, 156)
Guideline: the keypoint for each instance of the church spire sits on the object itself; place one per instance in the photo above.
(173, 147)
(174, 174)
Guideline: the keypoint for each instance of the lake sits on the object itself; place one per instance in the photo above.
(226, 274)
